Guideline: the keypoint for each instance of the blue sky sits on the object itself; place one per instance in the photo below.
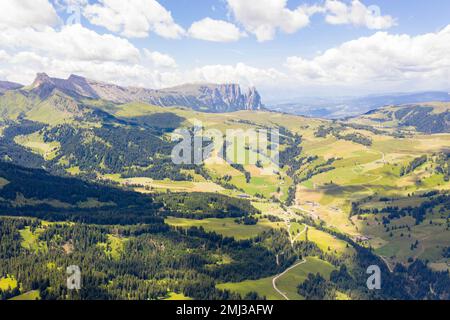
(414, 17)
(286, 48)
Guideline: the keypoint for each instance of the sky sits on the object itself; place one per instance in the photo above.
(286, 48)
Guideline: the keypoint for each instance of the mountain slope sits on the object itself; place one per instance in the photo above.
(202, 97)
(6, 85)
(52, 107)
(433, 117)
(35, 192)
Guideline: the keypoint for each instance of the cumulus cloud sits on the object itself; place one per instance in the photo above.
(36, 14)
(264, 17)
(160, 60)
(67, 5)
(357, 14)
(70, 49)
(3, 55)
(22, 67)
(215, 30)
(382, 58)
(133, 18)
(36, 45)
(71, 42)
(239, 73)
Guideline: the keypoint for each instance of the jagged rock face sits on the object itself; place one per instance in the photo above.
(253, 100)
(202, 97)
(209, 97)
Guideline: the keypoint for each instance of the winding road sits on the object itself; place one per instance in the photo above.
(288, 225)
(274, 280)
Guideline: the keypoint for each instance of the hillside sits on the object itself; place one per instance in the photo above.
(34, 192)
(6, 85)
(433, 117)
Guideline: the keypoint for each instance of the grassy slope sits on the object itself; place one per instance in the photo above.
(35, 143)
(287, 283)
(226, 227)
(177, 297)
(326, 242)
(28, 296)
(30, 240)
(114, 247)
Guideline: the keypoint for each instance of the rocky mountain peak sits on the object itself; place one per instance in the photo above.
(202, 97)
(215, 97)
(253, 99)
(74, 77)
(41, 78)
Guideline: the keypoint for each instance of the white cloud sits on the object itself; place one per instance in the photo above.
(264, 17)
(4, 55)
(215, 30)
(160, 60)
(72, 49)
(23, 66)
(29, 47)
(64, 3)
(36, 14)
(357, 14)
(382, 59)
(133, 18)
(71, 42)
(239, 73)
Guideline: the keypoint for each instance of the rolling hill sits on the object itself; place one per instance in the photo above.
(432, 117)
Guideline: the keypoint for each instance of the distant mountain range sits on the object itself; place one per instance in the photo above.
(201, 97)
(6, 85)
(336, 108)
(213, 98)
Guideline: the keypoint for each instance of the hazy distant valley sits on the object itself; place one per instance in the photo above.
(343, 107)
